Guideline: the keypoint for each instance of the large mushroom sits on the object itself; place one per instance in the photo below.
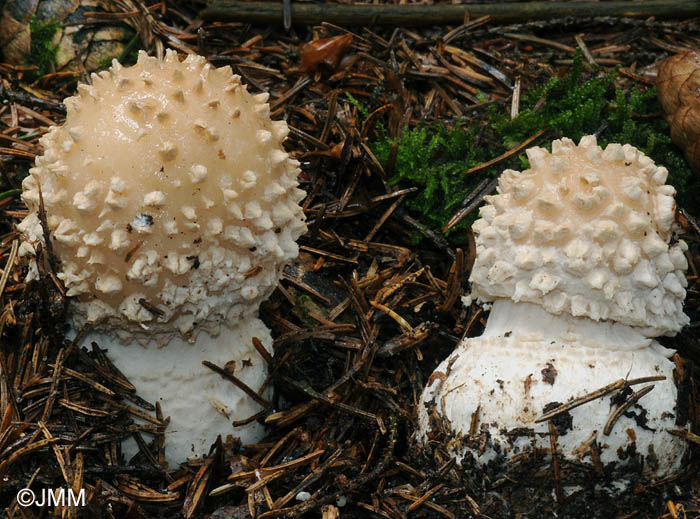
(173, 209)
(577, 257)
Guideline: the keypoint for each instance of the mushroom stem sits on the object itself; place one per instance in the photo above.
(527, 361)
(532, 323)
(200, 402)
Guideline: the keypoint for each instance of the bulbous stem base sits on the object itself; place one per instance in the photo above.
(529, 361)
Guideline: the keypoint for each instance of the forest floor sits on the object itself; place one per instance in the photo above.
(400, 133)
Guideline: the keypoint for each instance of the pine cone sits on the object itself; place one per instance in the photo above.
(78, 43)
(678, 88)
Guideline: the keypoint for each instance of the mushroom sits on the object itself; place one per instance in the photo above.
(173, 209)
(577, 257)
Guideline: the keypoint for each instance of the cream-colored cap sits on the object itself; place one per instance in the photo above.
(166, 188)
(585, 232)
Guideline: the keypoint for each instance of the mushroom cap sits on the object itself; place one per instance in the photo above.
(170, 201)
(585, 232)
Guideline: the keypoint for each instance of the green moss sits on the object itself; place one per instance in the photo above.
(304, 306)
(576, 106)
(364, 113)
(436, 158)
(43, 51)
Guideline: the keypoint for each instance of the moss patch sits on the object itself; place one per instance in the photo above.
(436, 158)
(43, 50)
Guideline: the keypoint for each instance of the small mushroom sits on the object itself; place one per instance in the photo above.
(577, 257)
(173, 209)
